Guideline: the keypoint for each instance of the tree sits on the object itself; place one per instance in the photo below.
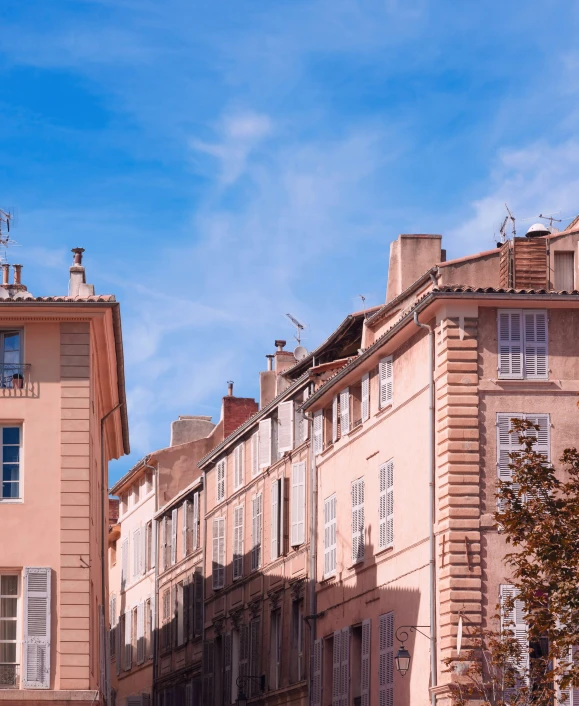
(538, 516)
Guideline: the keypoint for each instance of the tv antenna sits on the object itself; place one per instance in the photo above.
(5, 239)
(503, 228)
(551, 219)
(299, 328)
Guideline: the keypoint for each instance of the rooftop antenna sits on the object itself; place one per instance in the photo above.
(550, 218)
(363, 298)
(5, 219)
(299, 328)
(512, 218)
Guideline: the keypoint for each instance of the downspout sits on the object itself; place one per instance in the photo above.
(431, 518)
(203, 571)
(313, 551)
(104, 561)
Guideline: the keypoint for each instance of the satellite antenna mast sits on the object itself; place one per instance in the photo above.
(551, 219)
(299, 328)
(512, 218)
(5, 220)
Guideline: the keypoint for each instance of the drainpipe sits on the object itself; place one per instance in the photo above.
(431, 429)
(203, 555)
(313, 550)
(104, 542)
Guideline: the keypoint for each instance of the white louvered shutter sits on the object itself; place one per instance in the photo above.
(238, 458)
(357, 492)
(345, 411)
(536, 345)
(335, 413)
(507, 443)
(128, 663)
(186, 529)
(220, 487)
(196, 523)
(254, 455)
(275, 533)
(365, 663)
(144, 550)
(570, 695)
(37, 618)
(285, 417)
(337, 669)
(140, 633)
(386, 505)
(265, 443)
(318, 431)
(227, 668)
(118, 645)
(124, 564)
(298, 503)
(386, 374)
(513, 621)
(153, 626)
(330, 536)
(136, 552)
(365, 397)
(386, 660)
(218, 552)
(174, 515)
(317, 680)
(256, 532)
(345, 668)
(510, 344)
(238, 542)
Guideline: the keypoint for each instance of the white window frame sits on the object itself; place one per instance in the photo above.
(20, 497)
(17, 619)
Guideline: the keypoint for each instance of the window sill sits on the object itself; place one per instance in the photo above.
(382, 410)
(11, 501)
(356, 429)
(356, 564)
(515, 381)
(383, 552)
(329, 578)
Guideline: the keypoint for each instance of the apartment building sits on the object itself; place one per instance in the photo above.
(409, 437)
(132, 557)
(63, 416)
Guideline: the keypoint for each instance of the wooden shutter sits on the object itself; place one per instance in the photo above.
(513, 621)
(196, 521)
(275, 534)
(37, 618)
(186, 529)
(285, 417)
(128, 640)
(254, 666)
(330, 536)
(510, 357)
(337, 669)
(386, 505)
(243, 650)
(238, 542)
(140, 633)
(570, 695)
(507, 443)
(198, 589)
(227, 666)
(254, 455)
(163, 545)
(345, 411)
(365, 663)
(238, 457)
(386, 660)
(125, 563)
(386, 371)
(174, 515)
(345, 668)
(265, 443)
(208, 668)
(536, 345)
(218, 552)
(358, 520)
(220, 487)
(317, 680)
(256, 532)
(298, 424)
(335, 412)
(118, 643)
(365, 397)
(136, 552)
(298, 503)
(153, 630)
(318, 431)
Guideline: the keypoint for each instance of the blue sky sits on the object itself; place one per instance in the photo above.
(224, 163)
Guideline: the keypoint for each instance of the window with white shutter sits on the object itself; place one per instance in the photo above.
(335, 419)
(318, 431)
(256, 530)
(136, 552)
(285, 418)
(513, 622)
(198, 598)
(265, 443)
(218, 567)
(220, 485)
(386, 375)
(570, 695)
(174, 515)
(366, 397)
(237, 542)
(386, 660)
(185, 544)
(254, 454)
(365, 659)
(238, 460)
(298, 503)
(330, 532)
(345, 668)
(337, 669)
(317, 680)
(227, 669)
(37, 618)
(345, 411)
(140, 633)
(196, 520)
(124, 563)
(523, 344)
(386, 505)
(275, 506)
(128, 661)
(358, 534)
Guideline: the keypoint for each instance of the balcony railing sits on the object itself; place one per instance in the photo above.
(15, 376)
(9, 676)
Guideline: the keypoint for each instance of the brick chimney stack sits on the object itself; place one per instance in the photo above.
(77, 286)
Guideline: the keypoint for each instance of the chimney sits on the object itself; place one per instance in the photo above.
(190, 428)
(235, 411)
(270, 358)
(267, 383)
(17, 275)
(77, 286)
(5, 274)
(230, 388)
(284, 360)
(411, 256)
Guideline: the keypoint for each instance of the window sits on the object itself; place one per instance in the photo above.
(238, 463)
(386, 659)
(256, 528)
(335, 419)
(134, 632)
(136, 492)
(148, 482)
(344, 411)
(174, 516)
(124, 563)
(275, 649)
(358, 535)
(137, 552)
(341, 666)
(166, 625)
(319, 431)
(513, 621)
(386, 506)
(191, 525)
(356, 405)
(11, 489)
(149, 547)
(121, 631)
(124, 503)
(330, 536)
(8, 619)
(148, 629)
(113, 553)
(386, 373)
(112, 623)
(297, 642)
(318, 673)
(237, 542)
(564, 271)
(218, 552)
(254, 455)
(179, 614)
(365, 397)
(285, 419)
(277, 503)
(523, 344)
(254, 654)
(10, 359)
(265, 443)
(298, 504)
(220, 487)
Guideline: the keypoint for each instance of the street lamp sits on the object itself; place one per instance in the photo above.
(403, 657)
